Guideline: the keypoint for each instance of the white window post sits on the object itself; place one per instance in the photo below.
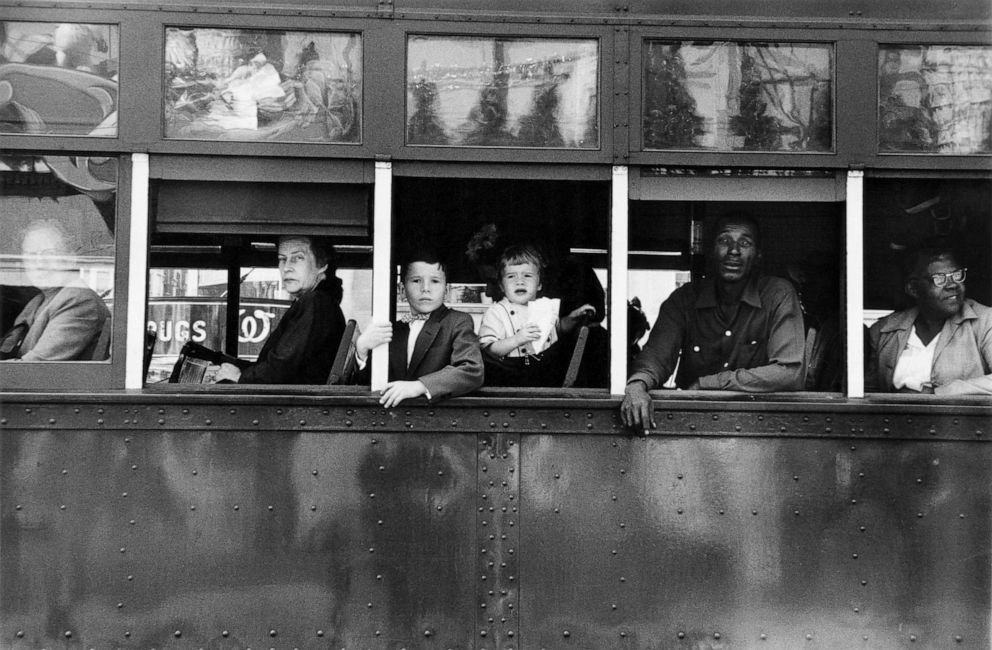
(137, 273)
(854, 263)
(619, 238)
(382, 274)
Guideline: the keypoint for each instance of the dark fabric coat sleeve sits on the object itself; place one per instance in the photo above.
(463, 372)
(304, 346)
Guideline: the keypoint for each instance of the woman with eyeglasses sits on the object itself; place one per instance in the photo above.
(941, 345)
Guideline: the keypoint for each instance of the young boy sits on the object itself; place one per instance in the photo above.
(433, 351)
(519, 333)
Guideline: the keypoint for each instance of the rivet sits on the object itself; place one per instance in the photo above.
(62, 507)
(566, 633)
(255, 422)
(958, 638)
(754, 512)
(681, 635)
(208, 421)
(557, 475)
(613, 606)
(132, 522)
(864, 583)
(64, 472)
(51, 420)
(809, 637)
(912, 638)
(919, 515)
(237, 507)
(795, 477)
(320, 633)
(185, 411)
(313, 508)
(763, 636)
(99, 421)
(134, 467)
(271, 508)
(374, 441)
(427, 633)
(721, 512)
(862, 528)
(795, 512)
(20, 634)
(716, 635)
(127, 634)
(737, 427)
(623, 579)
(482, 633)
(272, 633)
(68, 634)
(130, 578)
(177, 633)
(854, 502)
(303, 423)
(225, 634)
(854, 556)
(123, 549)
(679, 511)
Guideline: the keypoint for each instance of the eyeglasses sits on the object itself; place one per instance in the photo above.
(940, 279)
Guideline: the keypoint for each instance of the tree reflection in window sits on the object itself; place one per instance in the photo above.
(485, 92)
(935, 99)
(737, 96)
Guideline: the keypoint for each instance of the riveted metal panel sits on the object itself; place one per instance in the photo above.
(683, 542)
(325, 521)
(229, 539)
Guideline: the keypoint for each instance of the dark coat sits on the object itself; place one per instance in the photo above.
(447, 358)
(302, 347)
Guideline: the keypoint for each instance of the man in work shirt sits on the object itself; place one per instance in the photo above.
(734, 330)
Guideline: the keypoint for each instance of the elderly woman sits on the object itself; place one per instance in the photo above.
(66, 320)
(943, 344)
(301, 348)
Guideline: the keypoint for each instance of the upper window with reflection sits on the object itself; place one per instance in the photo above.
(730, 96)
(502, 92)
(935, 99)
(255, 85)
(56, 257)
(58, 78)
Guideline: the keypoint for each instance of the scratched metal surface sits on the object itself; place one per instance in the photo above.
(291, 522)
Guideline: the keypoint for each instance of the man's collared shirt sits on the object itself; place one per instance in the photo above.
(757, 349)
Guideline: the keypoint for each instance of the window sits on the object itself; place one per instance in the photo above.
(943, 215)
(935, 99)
(799, 241)
(57, 252)
(59, 78)
(214, 281)
(563, 223)
(255, 85)
(502, 92)
(738, 96)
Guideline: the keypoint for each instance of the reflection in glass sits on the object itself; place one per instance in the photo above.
(935, 99)
(56, 257)
(738, 96)
(233, 84)
(485, 92)
(58, 78)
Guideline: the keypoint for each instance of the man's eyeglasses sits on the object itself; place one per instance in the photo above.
(940, 279)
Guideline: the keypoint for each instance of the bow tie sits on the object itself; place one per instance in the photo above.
(412, 316)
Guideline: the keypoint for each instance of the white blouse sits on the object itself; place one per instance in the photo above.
(913, 369)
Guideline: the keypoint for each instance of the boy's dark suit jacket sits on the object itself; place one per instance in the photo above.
(447, 357)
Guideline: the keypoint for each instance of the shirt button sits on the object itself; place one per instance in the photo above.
(727, 333)
(695, 348)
